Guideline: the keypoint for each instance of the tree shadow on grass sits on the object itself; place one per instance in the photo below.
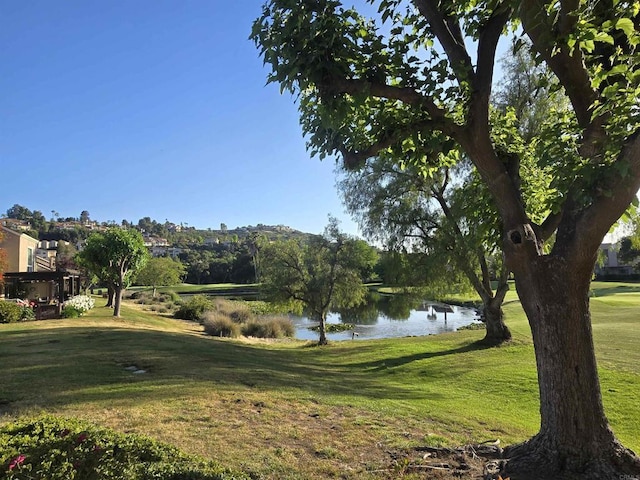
(607, 290)
(58, 366)
(406, 359)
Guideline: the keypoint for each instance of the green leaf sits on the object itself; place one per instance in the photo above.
(626, 25)
(604, 37)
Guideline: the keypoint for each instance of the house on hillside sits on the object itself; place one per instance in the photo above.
(153, 241)
(164, 251)
(34, 277)
(15, 224)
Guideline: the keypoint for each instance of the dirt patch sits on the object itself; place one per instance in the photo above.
(482, 462)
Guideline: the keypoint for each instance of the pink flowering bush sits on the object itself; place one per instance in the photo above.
(62, 449)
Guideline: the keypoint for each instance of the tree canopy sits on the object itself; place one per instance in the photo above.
(160, 271)
(114, 256)
(414, 83)
(324, 273)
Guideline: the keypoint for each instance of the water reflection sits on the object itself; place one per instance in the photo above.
(385, 316)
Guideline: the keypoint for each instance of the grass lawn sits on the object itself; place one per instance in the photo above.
(212, 288)
(286, 409)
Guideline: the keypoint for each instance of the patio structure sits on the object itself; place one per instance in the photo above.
(48, 290)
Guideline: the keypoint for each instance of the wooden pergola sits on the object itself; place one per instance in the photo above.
(61, 286)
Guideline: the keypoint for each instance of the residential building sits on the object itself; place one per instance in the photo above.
(21, 250)
(32, 277)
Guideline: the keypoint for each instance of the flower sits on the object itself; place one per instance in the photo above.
(82, 303)
(16, 462)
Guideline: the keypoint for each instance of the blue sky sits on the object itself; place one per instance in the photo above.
(159, 108)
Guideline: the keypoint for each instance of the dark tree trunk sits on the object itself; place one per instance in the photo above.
(117, 301)
(575, 440)
(110, 295)
(497, 330)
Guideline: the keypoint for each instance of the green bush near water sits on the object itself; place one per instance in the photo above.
(194, 308)
(269, 327)
(227, 318)
(218, 325)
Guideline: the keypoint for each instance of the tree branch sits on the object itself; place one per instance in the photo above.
(355, 159)
(617, 194)
(550, 224)
(567, 66)
(354, 86)
(568, 18)
(447, 30)
(487, 44)
(503, 285)
(484, 269)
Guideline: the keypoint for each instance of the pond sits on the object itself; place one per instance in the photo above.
(392, 316)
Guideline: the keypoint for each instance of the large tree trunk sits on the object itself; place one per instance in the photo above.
(110, 295)
(497, 330)
(575, 440)
(117, 301)
(322, 328)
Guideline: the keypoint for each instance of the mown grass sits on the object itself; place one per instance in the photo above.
(287, 409)
(212, 288)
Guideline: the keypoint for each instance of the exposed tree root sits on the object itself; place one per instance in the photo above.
(538, 458)
(531, 460)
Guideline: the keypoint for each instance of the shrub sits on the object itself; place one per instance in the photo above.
(194, 308)
(237, 310)
(82, 303)
(270, 327)
(260, 307)
(175, 297)
(285, 325)
(58, 449)
(241, 314)
(27, 314)
(257, 328)
(10, 312)
(69, 311)
(219, 325)
(224, 306)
